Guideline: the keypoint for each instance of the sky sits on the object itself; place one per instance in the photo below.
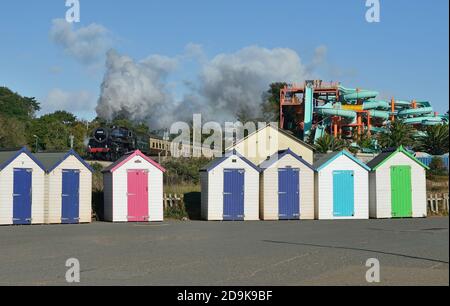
(161, 57)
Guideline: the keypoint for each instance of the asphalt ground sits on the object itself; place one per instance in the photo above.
(410, 252)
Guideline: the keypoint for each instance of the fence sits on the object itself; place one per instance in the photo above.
(438, 203)
(173, 201)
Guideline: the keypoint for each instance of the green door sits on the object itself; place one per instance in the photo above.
(401, 192)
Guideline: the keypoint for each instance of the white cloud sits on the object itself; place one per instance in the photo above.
(82, 102)
(232, 81)
(86, 44)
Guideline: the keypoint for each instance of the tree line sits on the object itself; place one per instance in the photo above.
(19, 126)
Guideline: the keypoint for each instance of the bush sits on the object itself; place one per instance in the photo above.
(437, 167)
(183, 170)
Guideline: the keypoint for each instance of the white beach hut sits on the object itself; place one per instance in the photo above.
(68, 188)
(286, 188)
(230, 189)
(22, 184)
(341, 187)
(397, 186)
(133, 189)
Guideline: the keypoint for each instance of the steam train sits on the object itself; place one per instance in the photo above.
(109, 144)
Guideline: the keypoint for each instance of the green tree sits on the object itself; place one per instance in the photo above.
(14, 105)
(328, 143)
(54, 130)
(437, 166)
(435, 141)
(271, 102)
(398, 134)
(12, 132)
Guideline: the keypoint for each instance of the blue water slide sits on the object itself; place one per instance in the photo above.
(415, 111)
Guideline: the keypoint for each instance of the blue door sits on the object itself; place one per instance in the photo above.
(289, 194)
(344, 193)
(233, 195)
(22, 196)
(70, 197)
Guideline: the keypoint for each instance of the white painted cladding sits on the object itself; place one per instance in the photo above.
(269, 209)
(54, 181)
(212, 201)
(23, 161)
(324, 189)
(380, 180)
(116, 202)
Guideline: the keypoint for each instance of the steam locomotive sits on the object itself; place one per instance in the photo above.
(109, 144)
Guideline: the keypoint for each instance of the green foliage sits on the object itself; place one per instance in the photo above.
(329, 143)
(398, 134)
(98, 168)
(271, 104)
(437, 166)
(13, 105)
(183, 170)
(365, 141)
(436, 140)
(12, 133)
(177, 213)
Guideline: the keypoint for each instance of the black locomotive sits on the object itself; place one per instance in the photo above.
(109, 144)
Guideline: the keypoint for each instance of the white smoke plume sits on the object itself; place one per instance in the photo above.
(137, 89)
(230, 82)
(225, 84)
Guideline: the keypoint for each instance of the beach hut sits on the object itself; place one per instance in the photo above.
(22, 183)
(230, 189)
(286, 187)
(133, 189)
(68, 188)
(341, 187)
(397, 186)
(269, 140)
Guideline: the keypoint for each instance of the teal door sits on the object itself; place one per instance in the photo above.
(343, 193)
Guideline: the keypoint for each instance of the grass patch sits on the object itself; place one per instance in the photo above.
(175, 213)
(192, 201)
(181, 188)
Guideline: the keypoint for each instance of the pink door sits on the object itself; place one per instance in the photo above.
(138, 196)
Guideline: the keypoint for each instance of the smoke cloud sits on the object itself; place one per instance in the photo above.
(137, 89)
(86, 44)
(225, 84)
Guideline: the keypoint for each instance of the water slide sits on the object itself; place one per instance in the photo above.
(350, 94)
(349, 104)
(424, 120)
(375, 104)
(309, 110)
(380, 114)
(328, 110)
(415, 111)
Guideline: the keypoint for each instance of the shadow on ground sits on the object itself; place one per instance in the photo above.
(192, 202)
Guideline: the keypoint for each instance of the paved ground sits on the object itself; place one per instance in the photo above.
(411, 252)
